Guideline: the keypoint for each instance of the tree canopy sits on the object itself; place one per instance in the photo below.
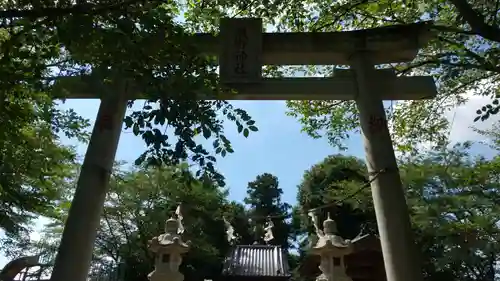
(91, 36)
(34, 165)
(104, 41)
(42, 42)
(264, 200)
(463, 58)
(337, 185)
(136, 208)
(452, 196)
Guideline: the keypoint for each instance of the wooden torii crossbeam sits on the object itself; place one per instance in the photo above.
(243, 49)
(343, 83)
(386, 45)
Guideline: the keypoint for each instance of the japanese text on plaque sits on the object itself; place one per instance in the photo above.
(240, 42)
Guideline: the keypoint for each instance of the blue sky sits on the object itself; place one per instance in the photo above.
(278, 147)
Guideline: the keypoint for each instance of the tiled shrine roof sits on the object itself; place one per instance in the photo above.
(257, 261)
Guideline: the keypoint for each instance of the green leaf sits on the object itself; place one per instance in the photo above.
(246, 132)
(485, 116)
(206, 133)
(253, 128)
(136, 129)
(128, 122)
(140, 159)
(224, 139)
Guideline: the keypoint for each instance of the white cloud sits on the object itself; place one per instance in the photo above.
(462, 123)
(462, 120)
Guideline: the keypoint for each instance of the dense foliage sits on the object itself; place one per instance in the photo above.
(341, 180)
(104, 40)
(264, 200)
(33, 164)
(454, 201)
(136, 208)
(463, 57)
(452, 194)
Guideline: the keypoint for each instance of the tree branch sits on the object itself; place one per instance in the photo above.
(117, 242)
(58, 11)
(346, 7)
(452, 29)
(476, 20)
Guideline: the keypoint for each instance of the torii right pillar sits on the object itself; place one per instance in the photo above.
(401, 260)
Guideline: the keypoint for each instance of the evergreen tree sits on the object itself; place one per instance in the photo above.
(337, 181)
(137, 206)
(264, 199)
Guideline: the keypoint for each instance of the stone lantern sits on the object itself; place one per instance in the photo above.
(168, 249)
(332, 249)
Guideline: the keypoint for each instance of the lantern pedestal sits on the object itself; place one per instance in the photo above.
(332, 249)
(168, 249)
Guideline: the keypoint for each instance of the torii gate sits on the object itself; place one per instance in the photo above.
(243, 48)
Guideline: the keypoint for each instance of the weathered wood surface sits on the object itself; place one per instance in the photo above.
(391, 44)
(240, 56)
(340, 87)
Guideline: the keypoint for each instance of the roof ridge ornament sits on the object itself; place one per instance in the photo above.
(180, 227)
(314, 219)
(231, 237)
(268, 230)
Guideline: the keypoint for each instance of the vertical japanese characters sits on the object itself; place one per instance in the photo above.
(240, 44)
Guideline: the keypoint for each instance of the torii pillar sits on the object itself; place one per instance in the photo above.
(243, 49)
(75, 251)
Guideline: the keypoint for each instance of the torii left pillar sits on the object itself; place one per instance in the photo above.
(75, 251)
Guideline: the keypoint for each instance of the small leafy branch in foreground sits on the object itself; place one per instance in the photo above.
(487, 110)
